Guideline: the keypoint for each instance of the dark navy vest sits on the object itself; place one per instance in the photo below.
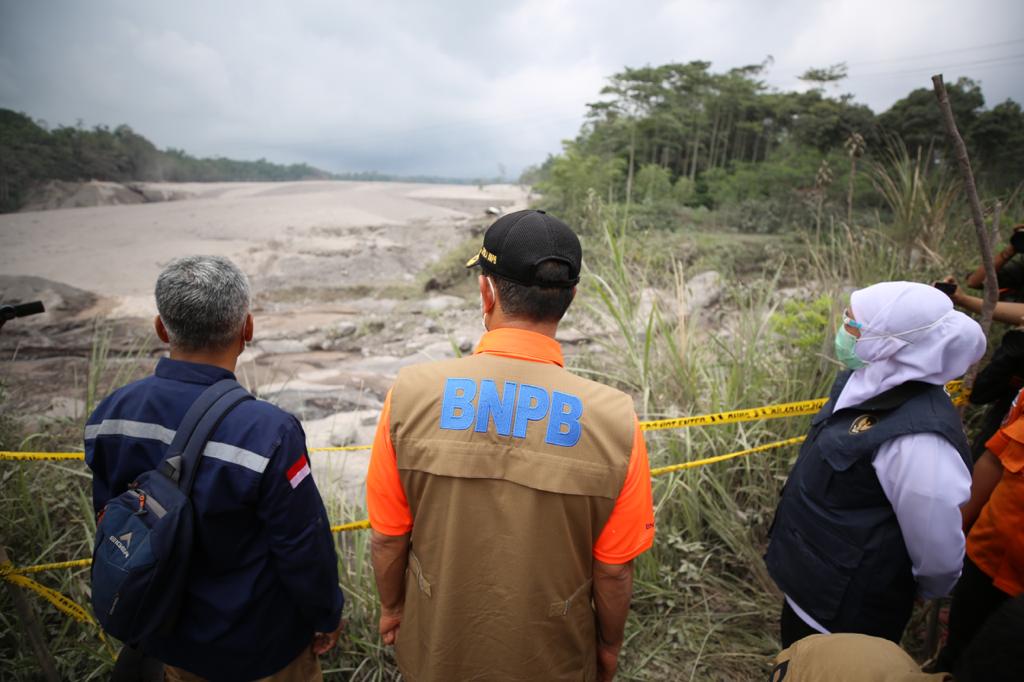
(836, 548)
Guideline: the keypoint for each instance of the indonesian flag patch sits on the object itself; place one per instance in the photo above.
(298, 471)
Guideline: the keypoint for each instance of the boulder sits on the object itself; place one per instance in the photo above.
(572, 336)
(702, 291)
(438, 304)
(282, 346)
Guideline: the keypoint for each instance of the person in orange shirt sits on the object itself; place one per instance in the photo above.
(508, 497)
(994, 567)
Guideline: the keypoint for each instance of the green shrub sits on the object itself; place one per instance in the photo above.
(803, 326)
(653, 184)
(684, 191)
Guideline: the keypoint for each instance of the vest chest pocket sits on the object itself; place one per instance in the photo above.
(840, 450)
(840, 474)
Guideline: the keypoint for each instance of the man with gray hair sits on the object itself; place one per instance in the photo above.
(262, 599)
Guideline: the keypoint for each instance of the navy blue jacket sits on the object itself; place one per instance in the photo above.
(264, 574)
(836, 546)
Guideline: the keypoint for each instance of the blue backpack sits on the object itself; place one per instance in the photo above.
(144, 536)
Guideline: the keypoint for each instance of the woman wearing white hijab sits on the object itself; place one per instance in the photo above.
(870, 514)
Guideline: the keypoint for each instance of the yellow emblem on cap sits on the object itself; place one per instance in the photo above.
(862, 424)
(485, 254)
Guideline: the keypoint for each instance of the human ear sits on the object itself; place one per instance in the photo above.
(247, 331)
(488, 297)
(161, 330)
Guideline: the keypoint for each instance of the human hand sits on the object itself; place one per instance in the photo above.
(325, 641)
(949, 287)
(607, 660)
(390, 622)
(958, 293)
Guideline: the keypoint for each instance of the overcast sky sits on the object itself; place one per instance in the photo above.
(453, 88)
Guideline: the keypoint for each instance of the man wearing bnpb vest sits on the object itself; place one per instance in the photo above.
(509, 497)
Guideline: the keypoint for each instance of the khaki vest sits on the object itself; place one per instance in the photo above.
(506, 509)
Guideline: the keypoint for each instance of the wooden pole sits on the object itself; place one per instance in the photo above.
(33, 630)
(991, 284)
(984, 240)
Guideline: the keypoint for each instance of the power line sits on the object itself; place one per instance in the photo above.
(1008, 60)
(937, 54)
(475, 127)
(890, 60)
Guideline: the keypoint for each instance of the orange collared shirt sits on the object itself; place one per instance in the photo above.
(630, 528)
(996, 541)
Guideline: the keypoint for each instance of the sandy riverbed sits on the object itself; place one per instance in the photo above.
(336, 269)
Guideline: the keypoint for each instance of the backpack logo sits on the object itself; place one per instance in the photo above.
(862, 424)
(122, 542)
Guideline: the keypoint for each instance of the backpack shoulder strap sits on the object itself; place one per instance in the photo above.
(204, 415)
(204, 430)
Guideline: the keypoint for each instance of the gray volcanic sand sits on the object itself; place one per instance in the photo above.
(337, 270)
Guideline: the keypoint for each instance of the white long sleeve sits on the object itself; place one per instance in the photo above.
(926, 482)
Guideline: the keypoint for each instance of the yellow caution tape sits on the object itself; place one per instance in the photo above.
(64, 604)
(365, 523)
(721, 458)
(955, 389)
(39, 568)
(71, 608)
(9, 572)
(752, 414)
(779, 411)
(8, 455)
(354, 525)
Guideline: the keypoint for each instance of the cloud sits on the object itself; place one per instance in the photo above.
(455, 87)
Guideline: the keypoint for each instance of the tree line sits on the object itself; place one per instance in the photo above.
(31, 153)
(684, 133)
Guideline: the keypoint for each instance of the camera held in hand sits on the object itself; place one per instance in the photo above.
(10, 311)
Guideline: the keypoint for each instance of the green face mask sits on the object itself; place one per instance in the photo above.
(845, 341)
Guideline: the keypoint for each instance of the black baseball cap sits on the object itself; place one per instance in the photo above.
(518, 242)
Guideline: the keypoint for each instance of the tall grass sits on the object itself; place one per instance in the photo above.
(919, 194)
(704, 601)
(46, 516)
(704, 607)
